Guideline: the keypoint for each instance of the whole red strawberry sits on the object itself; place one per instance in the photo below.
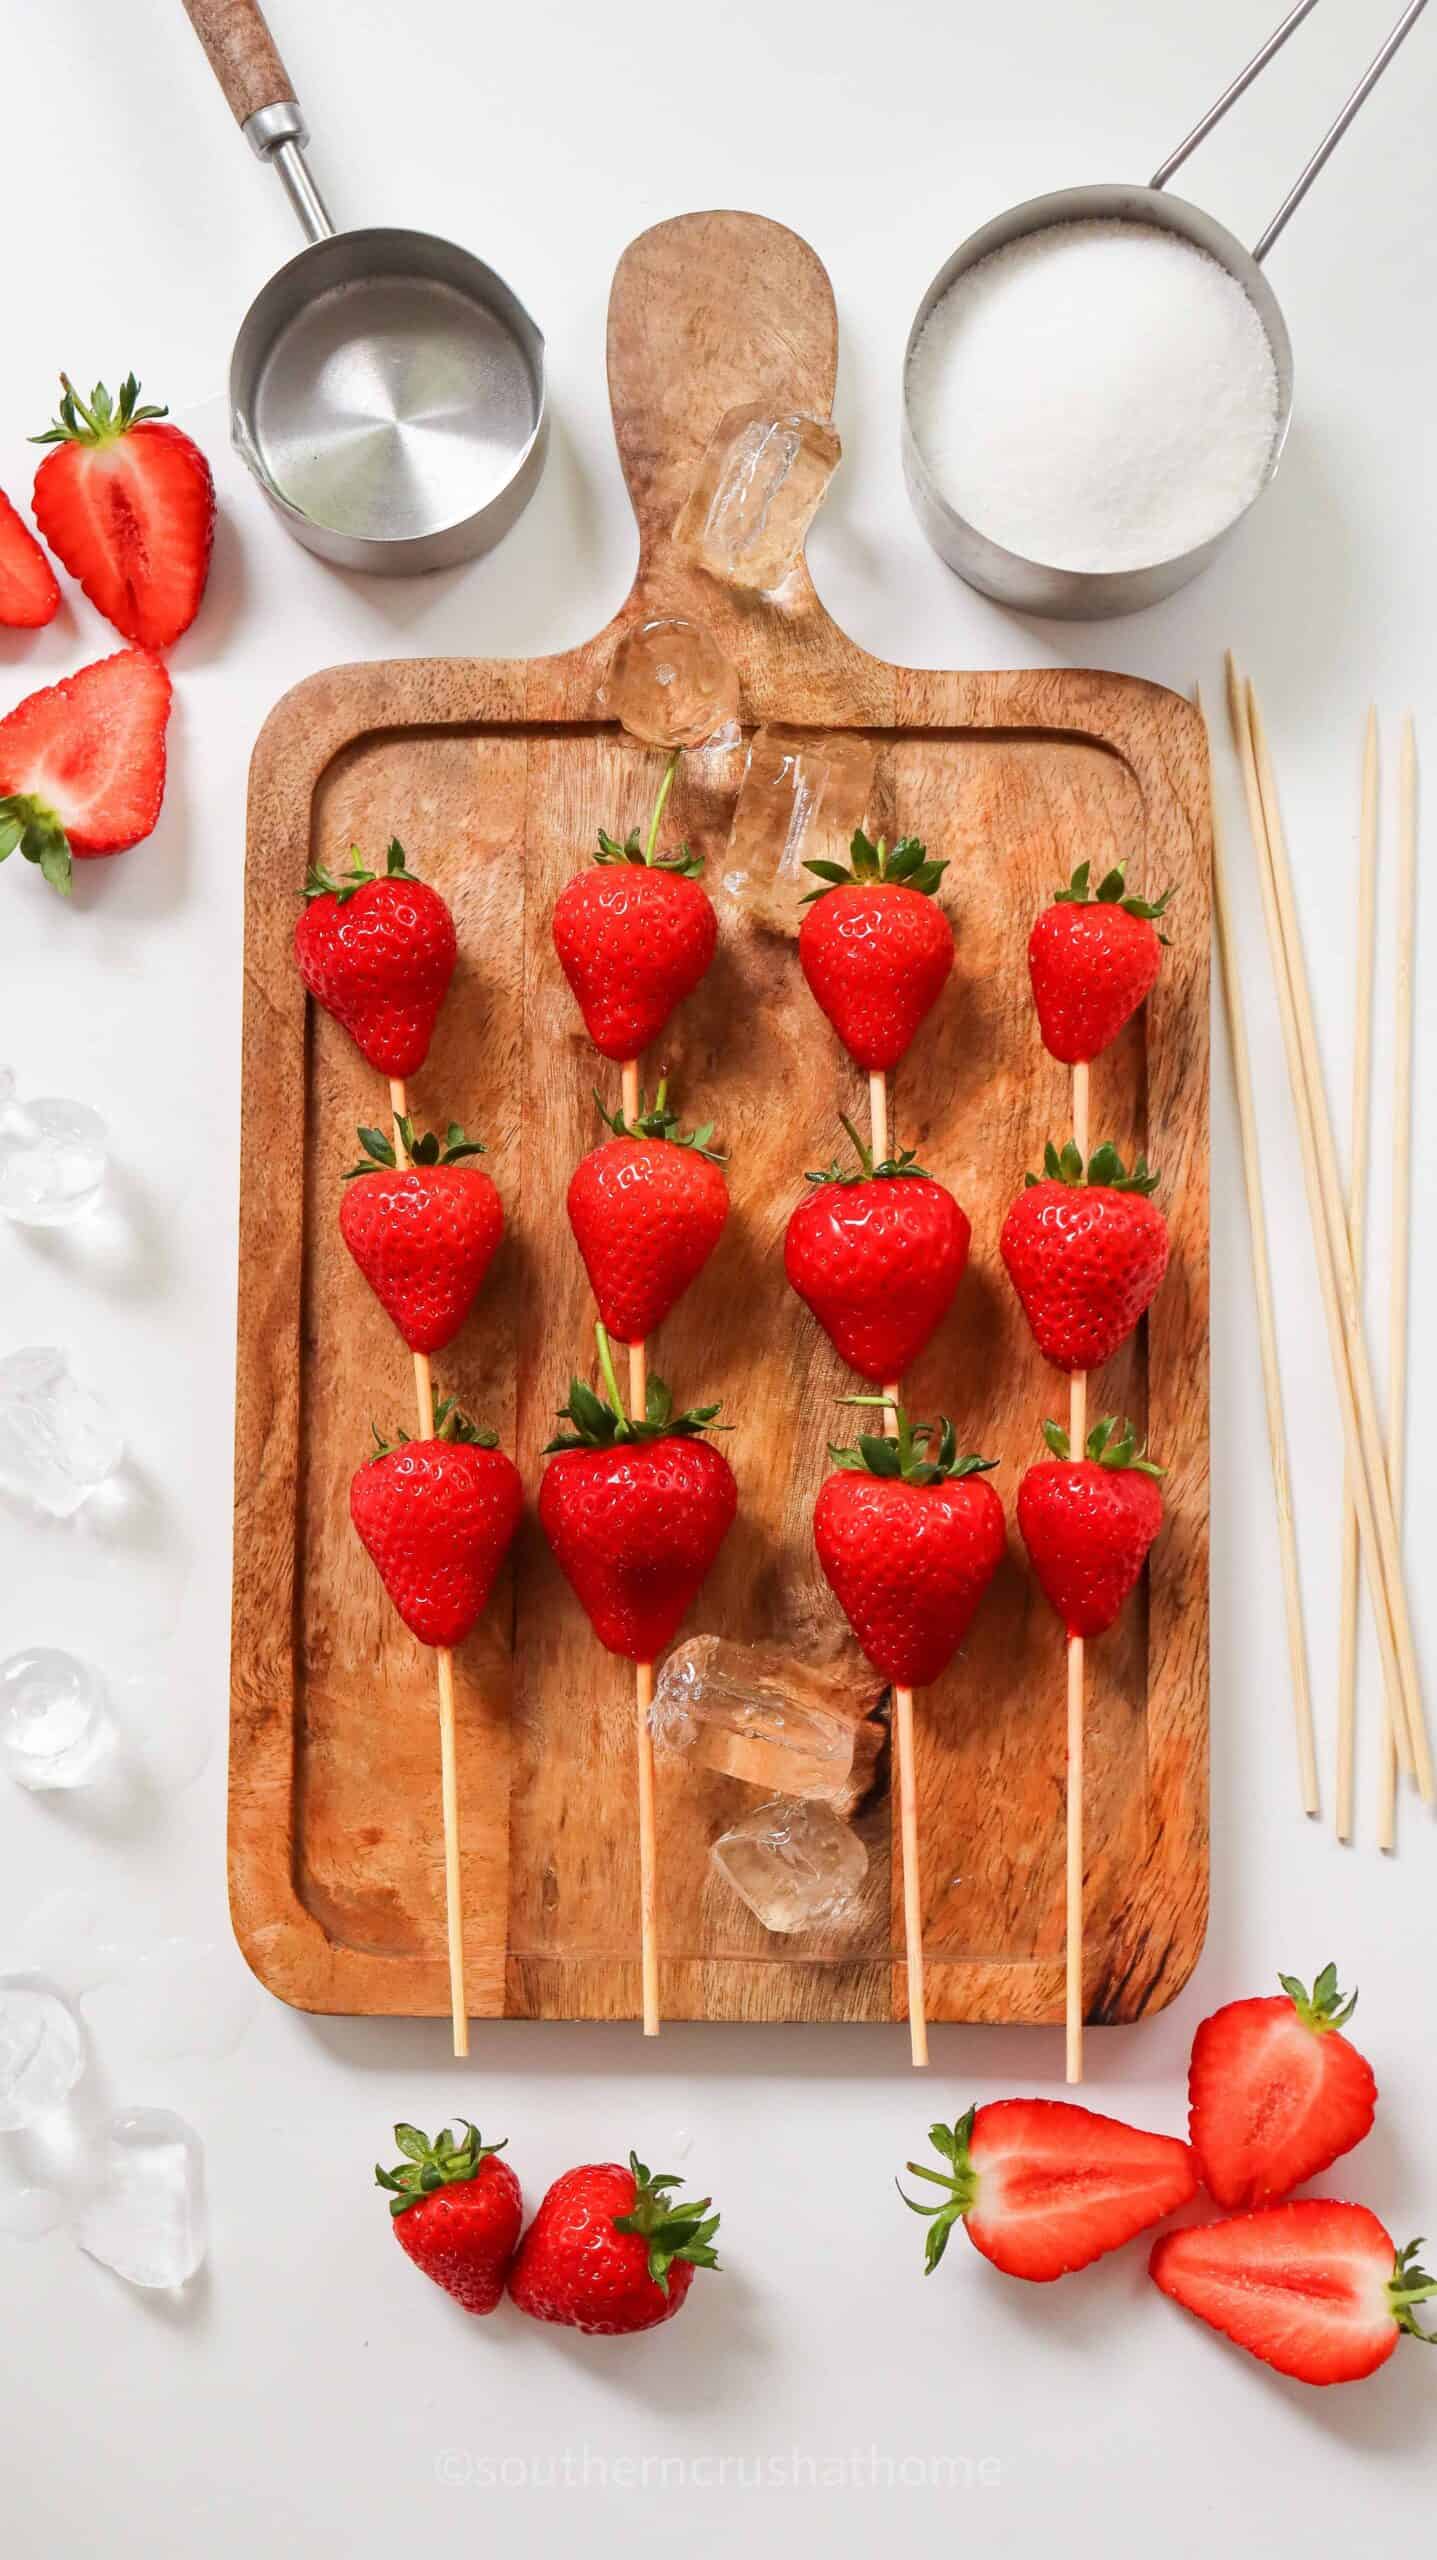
(1316, 2288)
(635, 1511)
(378, 954)
(29, 595)
(1093, 956)
(457, 2211)
(423, 1237)
(1275, 2092)
(437, 1517)
(909, 1536)
(82, 764)
(1086, 1252)
(128, 505)
(647, 1209)
(877, 1257)
(1043, 2187)
(612, 2251)
(875, 949)
(1088, 1522)
(634, 936)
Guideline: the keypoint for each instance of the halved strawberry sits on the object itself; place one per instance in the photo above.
(129, 506)
(1316, 2289)
(82, 764)
(1275, 2092)
(29, 595)
(1044, 2187)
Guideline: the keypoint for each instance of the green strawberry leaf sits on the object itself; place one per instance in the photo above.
(892, 1169)
(959, 2183)
(604, 1422)
(912, 1454)
(656, 1120)
(671, 2232)
(31, 828)
(905, 863)
(433, 2161)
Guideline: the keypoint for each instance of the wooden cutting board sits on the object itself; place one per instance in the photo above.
(496, 775)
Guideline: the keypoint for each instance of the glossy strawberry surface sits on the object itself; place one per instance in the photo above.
(424, 1239)
(437, 1517)
(633, 940)
(646, 1215)
(876, 956)
(635, 1529)
(908, 1564)
(878, 1263)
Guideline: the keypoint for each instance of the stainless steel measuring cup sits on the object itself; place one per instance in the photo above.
(386, 388)
(1080, 594)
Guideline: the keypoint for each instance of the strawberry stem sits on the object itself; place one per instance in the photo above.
(665, 787)
(959, 2182)
(606, 1364)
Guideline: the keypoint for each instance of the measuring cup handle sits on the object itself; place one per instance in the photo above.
(243, 57)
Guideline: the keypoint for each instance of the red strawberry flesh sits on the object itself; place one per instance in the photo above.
(1276, 2094)
(89, 753)
(127, 502)
(1045, 2187)
(1313, 2288)
(29, 594)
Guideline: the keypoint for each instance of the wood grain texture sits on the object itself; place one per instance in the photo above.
(242, 54)
(496, 776)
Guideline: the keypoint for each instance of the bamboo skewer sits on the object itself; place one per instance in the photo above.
(444, 1674)
(1401, 1247)
(644, 1671)
(1077, 1666)
(903, 1700)
(1266, 1324)
(1349, 1567)
(1412, 1729)
(1349, 1359)
(644, 1680)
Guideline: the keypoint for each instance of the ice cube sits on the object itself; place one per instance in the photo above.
(52, 1158)
(42, 2053)
(57, 1441)
(794, 1863)
(759, 1713)
(760, 484)
(670, 685)
(55, 1727)
(146, 2218)
(801, 798)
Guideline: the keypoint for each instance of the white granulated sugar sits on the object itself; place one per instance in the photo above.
(1097, 395)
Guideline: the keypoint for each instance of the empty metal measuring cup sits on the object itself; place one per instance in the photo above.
(386, 388)
(1077, 594)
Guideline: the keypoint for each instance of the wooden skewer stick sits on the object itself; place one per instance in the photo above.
(903, 1701)
(1266, 1323)
(444, 1673)
(1329, 1233)
(644, 1691)
(1077, 1665)
(1399, 1280)
(1373, 1455)
(1349, 1568)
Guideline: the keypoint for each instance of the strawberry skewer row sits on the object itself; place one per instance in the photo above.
(379, 953)
(876, 952)
(1093, 958)
(635, 936)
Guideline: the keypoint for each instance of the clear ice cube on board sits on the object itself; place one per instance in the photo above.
(800, 800)
(42, 2053)
(794, 1863)
(145, 2218)
(757, 1713)
(670, 685)
(52, 1158)
(760, 484)
(57, 1441)
(55, 1727)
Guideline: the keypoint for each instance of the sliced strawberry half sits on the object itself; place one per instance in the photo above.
(1316, 2288)
(128, 504)
(29, 594)
(1045, 2187)
(1276, 2093)
(82, 764)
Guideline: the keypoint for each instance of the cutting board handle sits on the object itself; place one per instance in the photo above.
(707, 312)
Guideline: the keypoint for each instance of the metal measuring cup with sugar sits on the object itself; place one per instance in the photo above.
(386, 387)
(1036, 586)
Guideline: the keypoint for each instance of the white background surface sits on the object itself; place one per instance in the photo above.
(306, 2394)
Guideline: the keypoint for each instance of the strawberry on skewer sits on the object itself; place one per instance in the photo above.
(634, 937)
(1088, 1523)
(877, 1256)
(423, 1233)
(635, 1508)
(1083, 1245)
